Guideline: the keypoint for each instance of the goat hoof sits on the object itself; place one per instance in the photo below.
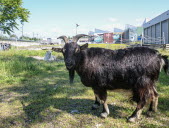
(132, 119)
(150, 113)
(95, 106)
(104, 115)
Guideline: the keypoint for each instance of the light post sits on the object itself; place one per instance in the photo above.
(22, 29)
(77, 25)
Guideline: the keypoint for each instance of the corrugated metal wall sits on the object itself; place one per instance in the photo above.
(164, 29)
(153, 33)
(157, 30)
(149, 32)
(145, 34)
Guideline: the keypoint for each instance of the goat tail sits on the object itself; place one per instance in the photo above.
(165, 64)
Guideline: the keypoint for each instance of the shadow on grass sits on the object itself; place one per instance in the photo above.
(38, 82)
(163, 79)
(33, 112)
(68, 105)
(164, 104)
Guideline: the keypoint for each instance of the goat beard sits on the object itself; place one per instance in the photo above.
(71, 75)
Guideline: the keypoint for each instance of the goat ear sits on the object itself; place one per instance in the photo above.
(57, 49)
(83, 47)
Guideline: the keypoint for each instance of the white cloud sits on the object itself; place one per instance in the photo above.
(82, 30)
(110, 27)
(113, 19)
(140, 19)
(41, 32)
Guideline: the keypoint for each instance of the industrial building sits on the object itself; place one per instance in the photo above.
(132, 34)
(156, 31)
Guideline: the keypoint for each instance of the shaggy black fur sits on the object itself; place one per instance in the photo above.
(103, 69)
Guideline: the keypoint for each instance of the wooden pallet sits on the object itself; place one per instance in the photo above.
(154, 46)
(167, 46)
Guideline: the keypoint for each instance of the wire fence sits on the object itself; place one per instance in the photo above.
(154, 40)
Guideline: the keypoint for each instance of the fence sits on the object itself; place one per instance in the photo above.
(151, 40)
(158, 42)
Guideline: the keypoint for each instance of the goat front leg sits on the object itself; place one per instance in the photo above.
(102, 94)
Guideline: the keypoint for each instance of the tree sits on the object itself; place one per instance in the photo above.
(10, 12)
(13, 36)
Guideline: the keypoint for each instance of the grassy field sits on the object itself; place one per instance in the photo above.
(37, 94)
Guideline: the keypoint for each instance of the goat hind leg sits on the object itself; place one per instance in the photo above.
(136, 114)
(155, 100)
(154, 103)
(96, 105)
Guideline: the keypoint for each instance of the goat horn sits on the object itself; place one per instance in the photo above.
(63, 38)
(77, 37)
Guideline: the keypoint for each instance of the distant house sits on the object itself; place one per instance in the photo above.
(157, 30)
(97, 35)
(49, 40)
(108, 37)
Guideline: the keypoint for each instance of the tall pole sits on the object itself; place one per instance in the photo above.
(121, 40)
(22, 29)
(142, 38)
(77, 25)
(163, 39)
(37, 37)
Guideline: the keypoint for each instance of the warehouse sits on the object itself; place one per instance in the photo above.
(156, 31)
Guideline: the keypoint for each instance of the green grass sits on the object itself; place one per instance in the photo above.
(37, 94)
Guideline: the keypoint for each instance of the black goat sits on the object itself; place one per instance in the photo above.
(102, 69)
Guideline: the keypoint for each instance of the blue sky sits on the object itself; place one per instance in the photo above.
(52, 18)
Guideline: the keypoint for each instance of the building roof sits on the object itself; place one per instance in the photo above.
(162, 17)
(118, 30)
(100, 31)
